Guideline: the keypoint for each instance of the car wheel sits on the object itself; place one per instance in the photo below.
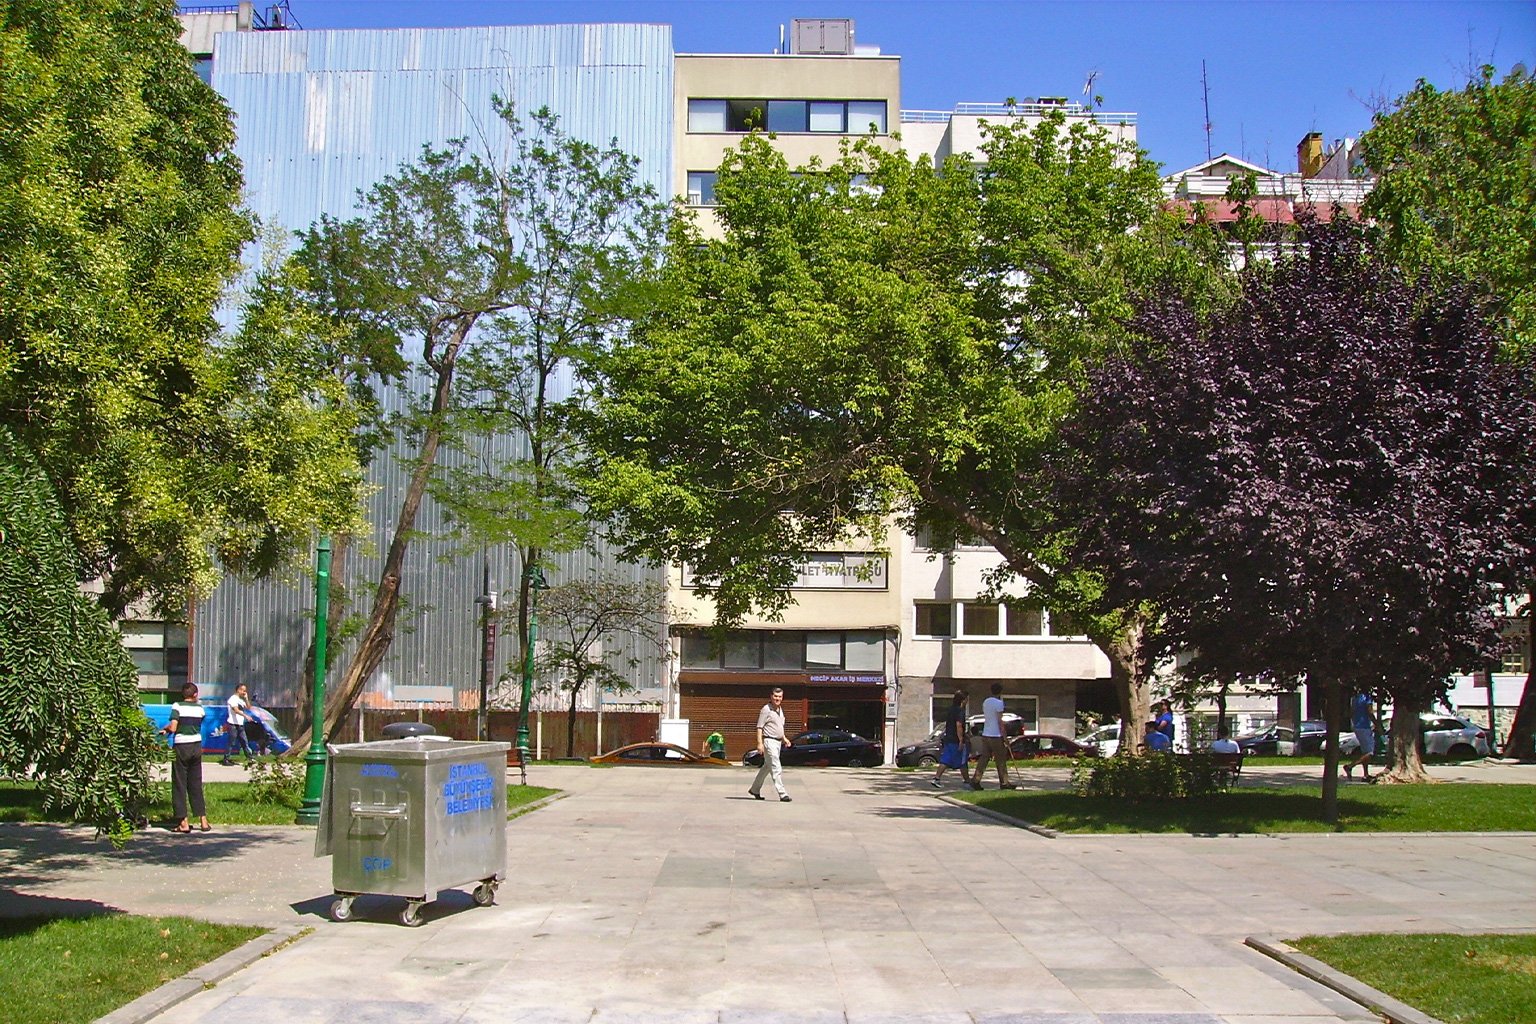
(927, 761)
(855, 762)
(1462, 751)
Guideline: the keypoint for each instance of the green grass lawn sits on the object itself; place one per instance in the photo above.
(74, 970)
(229, 803)
(1459, 979)
(1459, 807)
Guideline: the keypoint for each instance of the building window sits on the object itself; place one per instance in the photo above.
(864, 651)
(824, 650)
(829, 117)
(1063, 624)
(741, 651)
(783, 651)
(701, 188)
(1025, 621)
(699, 651)
(1513, 661)
(934, 619)
(979, 619)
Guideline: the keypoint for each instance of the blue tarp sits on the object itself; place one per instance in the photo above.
(214, 719)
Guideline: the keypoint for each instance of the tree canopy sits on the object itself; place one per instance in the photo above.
(120, 228)
(1322, 481)
(878, 337)
(476, 281)
(1455, 186)
(69, 697)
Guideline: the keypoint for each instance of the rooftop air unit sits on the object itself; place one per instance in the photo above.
(830, 36)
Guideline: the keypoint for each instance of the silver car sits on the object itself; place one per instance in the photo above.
(1450, 736)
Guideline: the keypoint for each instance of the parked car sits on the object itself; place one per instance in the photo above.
(1283, 740)
(1105, 739)
(1449, 736)
(1023, 746)
(667, 754)
(823, 747)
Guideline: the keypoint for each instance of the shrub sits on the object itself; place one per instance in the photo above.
(1155, 776)
(277, 780)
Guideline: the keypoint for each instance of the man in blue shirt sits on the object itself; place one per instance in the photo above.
(1362, 718)
(1155, 741)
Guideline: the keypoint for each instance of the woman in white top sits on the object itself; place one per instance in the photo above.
(186, 732)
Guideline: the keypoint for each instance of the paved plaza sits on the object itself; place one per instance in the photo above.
(668, 896)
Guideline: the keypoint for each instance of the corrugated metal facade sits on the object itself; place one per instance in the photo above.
(321, 115)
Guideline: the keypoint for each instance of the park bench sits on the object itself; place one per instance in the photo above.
(515, 760)
(1228, 767)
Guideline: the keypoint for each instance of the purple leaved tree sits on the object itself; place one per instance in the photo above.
(1324, 481)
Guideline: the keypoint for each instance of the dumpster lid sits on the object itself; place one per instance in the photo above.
(420, 748)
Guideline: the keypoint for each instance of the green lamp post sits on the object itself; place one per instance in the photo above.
(314, 761)
(535, 584)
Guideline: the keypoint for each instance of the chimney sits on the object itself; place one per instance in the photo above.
(1309, 154)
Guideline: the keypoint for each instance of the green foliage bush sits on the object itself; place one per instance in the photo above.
(277, 780)
(69, 698)
(1155, 776)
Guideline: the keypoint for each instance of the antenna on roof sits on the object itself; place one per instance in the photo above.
(1088, 96)
(1205, 89)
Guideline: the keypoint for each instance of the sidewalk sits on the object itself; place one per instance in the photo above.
(668, 896)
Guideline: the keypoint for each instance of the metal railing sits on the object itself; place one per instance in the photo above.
(1031, 109)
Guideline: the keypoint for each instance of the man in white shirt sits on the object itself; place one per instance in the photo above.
(996, 744)
(1225, 744)
(770, 738)
(234, 728)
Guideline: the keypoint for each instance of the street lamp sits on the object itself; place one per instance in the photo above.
(535, 584)
(314, 761)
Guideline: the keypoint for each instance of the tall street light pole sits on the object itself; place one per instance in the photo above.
(314, 761)
(535, 584)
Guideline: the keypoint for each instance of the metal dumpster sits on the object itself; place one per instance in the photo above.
(411, 817)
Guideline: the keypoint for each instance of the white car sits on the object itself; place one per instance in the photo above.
(1450, 736)
(1105, 739)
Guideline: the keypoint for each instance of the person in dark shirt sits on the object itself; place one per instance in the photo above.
(956, 751)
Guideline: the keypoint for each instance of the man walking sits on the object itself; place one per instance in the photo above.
(234, 727)
(1362, 716)
(770, 739)
(956, 751)
(995, 743)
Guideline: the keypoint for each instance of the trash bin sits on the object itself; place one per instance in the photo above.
(411, 817)
(405, 730)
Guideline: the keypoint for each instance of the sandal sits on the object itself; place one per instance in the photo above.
(204, 827)
(184, 830)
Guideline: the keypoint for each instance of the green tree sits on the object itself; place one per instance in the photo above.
(588, 625)
(878, 338)
(69, 698)
(172, 454)
(1455, 186)
(495, 273)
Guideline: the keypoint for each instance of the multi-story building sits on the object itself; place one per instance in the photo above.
(878, 627)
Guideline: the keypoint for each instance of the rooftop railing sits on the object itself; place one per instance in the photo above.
(1033, 108)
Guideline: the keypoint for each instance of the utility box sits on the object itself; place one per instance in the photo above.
(411, 817)
(829, 36)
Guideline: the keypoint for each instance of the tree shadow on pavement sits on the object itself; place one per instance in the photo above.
(22, 912)
(36, 854)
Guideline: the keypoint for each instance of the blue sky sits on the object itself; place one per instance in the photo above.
(1276, 70)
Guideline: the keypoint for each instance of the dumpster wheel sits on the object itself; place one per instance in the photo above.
(341, 910)
(485, 893)
(411, 915)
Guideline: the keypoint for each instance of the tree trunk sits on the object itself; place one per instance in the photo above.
(1520, 743)
(1130, 674)
(1405, 762)
(570, 722)
(341, 547)
(377, 636)
(1332, 708)
(1221, 706)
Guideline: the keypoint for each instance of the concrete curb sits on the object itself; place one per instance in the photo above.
(1028, 826)
(153, 1003)
(1373, 1000)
